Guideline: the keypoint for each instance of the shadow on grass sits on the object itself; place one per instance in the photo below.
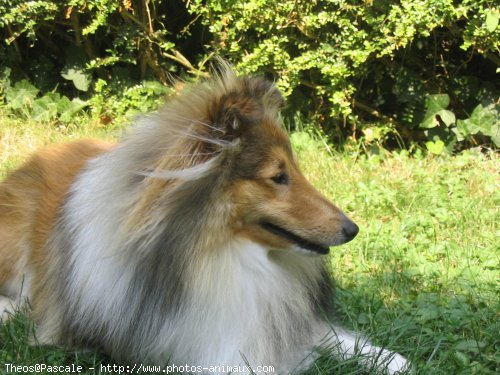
(440, 332)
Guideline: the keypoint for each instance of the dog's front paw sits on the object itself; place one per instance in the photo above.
(397, 364)
(6, 308)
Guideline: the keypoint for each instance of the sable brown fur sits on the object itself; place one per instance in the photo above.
(196, 239)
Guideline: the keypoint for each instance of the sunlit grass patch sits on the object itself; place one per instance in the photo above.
(421, 278)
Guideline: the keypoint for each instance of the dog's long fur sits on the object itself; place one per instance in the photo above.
(195, 240)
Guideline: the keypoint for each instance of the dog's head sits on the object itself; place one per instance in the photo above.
(274, 204)
(234, 132)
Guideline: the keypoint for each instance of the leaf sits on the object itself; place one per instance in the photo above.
(166, 46)
(466, 127)
(492, 19)
(484, 120)
(80, 78)
(63, 104)
(436, 102)
(472, 346)
(45, 108)
(448, 117)
(21, 95)
(436, 147)
(436, 105)
(458, 133)
(156, 87)
(68, 109)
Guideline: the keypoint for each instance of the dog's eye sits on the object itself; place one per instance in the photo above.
(280, 179)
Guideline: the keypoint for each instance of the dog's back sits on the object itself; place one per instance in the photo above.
(30, 200)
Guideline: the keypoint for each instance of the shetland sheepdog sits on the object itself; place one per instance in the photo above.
(195, 240)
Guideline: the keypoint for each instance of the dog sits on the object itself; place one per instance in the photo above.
(196, 239)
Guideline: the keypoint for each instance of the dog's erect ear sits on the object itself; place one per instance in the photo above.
(245, 107)
(237, 111)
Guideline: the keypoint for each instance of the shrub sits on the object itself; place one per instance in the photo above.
(381, 66)
(383, 70)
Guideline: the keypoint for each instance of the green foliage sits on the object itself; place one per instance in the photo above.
(21, 17)
(21, 95)
(110, 101)
(426, 258)
(78, 77)
(435, 106)
(78, 47)
(364, 62)
(378, 70)
(483, 120)
(131, 100)
(23, 100)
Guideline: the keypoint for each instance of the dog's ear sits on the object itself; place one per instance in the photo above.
(239, 110)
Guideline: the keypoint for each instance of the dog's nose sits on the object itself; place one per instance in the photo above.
(349, 229)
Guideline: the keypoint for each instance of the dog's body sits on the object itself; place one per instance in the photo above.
(193, 241)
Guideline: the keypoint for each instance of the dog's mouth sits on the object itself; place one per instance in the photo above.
(293, 238)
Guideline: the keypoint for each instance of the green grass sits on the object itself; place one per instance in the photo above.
(19, 138)
(421, 277)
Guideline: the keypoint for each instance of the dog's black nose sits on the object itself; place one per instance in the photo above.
(349, 230)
